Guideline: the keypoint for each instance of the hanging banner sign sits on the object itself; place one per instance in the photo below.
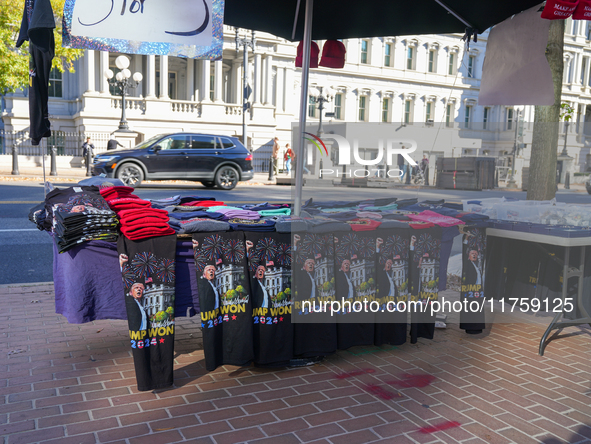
(184, 28)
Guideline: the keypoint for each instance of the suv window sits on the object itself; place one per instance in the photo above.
(174, 143)
(203, 142)
(226, 143)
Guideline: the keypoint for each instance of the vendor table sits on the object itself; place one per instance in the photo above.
(568, 272)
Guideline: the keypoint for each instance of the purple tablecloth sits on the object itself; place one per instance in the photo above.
(88, 284)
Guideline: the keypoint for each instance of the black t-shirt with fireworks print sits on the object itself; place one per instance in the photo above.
(224, 298)
(392, 254)
(148, 272)
(269, 267)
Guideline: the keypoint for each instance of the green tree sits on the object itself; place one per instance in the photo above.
(14, 62)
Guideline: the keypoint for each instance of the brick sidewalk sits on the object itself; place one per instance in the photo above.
(64, 383)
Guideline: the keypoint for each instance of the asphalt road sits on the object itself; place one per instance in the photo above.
(27, 254)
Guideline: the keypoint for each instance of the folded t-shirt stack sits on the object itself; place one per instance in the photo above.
(140, 223)
(235, 213)
(117, 192)
(364, 224)
(287, 224)
(166, 201)
(204, 203)
(252, 225)
(274, 212)
(79, 214)
(128, 203)
(198, 225)
(184, 215)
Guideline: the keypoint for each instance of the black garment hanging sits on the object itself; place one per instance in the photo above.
(472, 288)
(269, 269)
(37, 27)
(149, 277)
(315, 330)
(355, 279)
(224, 298)
(424, 256)
(392, 248)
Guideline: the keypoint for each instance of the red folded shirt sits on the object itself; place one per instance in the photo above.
(142, 212)
(204, 203)
(129, 200)
(141, 233)
(114, 190)
(364, 224)
(147, 221)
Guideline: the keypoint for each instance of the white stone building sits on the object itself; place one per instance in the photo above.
(428, 82)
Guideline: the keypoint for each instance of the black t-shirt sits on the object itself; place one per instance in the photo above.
(224, 298)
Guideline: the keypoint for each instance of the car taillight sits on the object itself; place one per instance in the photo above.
(249, 157)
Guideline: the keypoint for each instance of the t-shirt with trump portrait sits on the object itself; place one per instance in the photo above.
(148, 269)
(224, 298)
(269, 269)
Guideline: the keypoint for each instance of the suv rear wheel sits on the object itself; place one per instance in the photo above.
(130, 174)
(227, 177)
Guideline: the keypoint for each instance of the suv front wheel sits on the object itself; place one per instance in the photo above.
(227, 178)
(130, 174)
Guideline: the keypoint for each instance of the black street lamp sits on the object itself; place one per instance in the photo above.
(317, 96)
(246, 89)
(123, 81)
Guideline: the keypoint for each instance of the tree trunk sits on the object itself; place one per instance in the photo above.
(542, 167)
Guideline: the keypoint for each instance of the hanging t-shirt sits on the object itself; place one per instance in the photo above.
(37, 26)
(148, 271)
(315, 332)
(424, 256)
(355, 282)
(224, 298)
(472, 287)
(392, 254)
(269, 269)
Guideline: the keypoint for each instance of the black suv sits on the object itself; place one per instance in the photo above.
(213, 160)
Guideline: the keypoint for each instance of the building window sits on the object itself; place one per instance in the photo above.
(432, 61)
(471, 66)
(55, 83)
(338, 106)
(171, 85)
(388, 54)
(211, 87)
(407, 111)
(588, 31)
(410, 58)
(114, 90)
(467, 116)
(429, 112)
(385, 110)
(449, 115)
(362, 105)
(364, 50)
(583, 69)
(451, 70)
(311, 106)
(485, 117)
(510, 118)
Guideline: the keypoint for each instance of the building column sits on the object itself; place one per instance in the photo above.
(205, 73)
(190, 80)
(219, 81)
(163, 77)
(289, 91)
(257, 79)
(269, 79)
(151, 77)
(89, 65)
(137, 67)
(103, 66)
(236, 81)
(280, 89)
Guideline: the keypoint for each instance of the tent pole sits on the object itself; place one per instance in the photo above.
(299, 172)
(454, 13)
